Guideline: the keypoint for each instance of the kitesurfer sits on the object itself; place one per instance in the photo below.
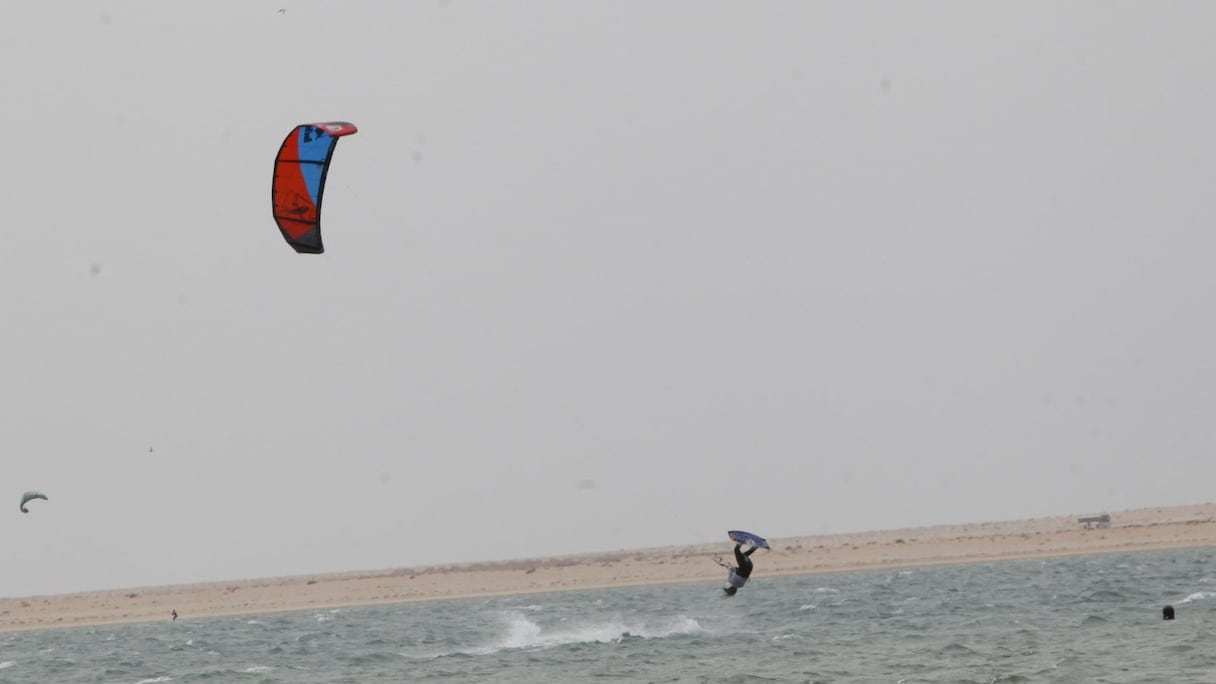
(174, 614)
(738, 573)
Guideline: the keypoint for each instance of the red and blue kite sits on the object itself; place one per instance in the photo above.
(299, 182)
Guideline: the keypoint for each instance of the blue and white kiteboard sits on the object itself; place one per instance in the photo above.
(741, 537)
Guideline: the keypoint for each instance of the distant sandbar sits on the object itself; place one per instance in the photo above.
(1135, 530)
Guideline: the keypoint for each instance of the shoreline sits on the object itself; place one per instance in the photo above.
(1138, 530)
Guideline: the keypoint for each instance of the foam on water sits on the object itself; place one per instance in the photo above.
(7, 664)
(1198, 596)
(522, 633)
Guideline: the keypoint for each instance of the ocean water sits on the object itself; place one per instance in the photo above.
(1080, 619)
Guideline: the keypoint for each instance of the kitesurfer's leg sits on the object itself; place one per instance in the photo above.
(742, 561)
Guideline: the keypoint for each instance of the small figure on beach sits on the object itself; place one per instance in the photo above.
(174, 614)
(1167, 613)
(737, 574)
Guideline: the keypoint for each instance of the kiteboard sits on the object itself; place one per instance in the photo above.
(741, 537)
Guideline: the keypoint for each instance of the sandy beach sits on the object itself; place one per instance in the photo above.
(1133, 530)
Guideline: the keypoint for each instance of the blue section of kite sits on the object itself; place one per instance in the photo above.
(315, 146)
(741, 537)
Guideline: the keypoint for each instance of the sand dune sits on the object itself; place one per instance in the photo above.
(1135, 530)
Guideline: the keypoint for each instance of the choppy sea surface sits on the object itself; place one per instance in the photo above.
(1079, 619)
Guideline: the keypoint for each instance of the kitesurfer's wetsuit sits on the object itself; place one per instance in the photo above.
(742, 568)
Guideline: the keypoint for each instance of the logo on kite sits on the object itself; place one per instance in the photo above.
(300, 169)
(28, 497)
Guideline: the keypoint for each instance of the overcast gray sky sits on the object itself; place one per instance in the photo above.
(599, 275)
